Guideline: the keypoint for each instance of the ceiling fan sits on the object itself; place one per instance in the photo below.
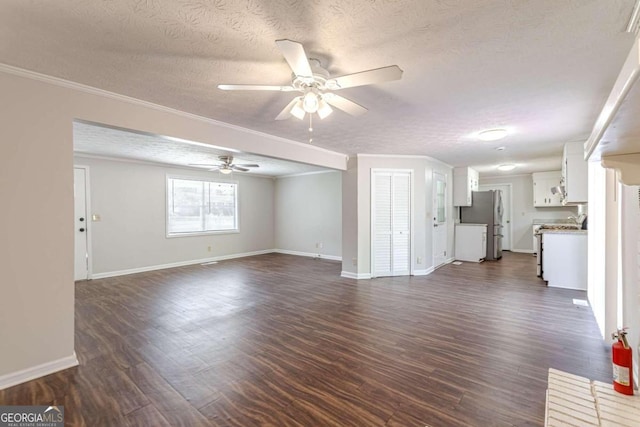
(316, 85)
(227, 165)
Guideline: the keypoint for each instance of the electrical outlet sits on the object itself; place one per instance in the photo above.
(354, 261)
(419, 260)
(208, 248)
(320, 245)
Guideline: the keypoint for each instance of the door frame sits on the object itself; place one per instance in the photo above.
(87, 202)
(510, 219)
(372, 222)
(446, 215)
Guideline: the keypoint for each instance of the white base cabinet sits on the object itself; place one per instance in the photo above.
(471, 242)
(564, 259)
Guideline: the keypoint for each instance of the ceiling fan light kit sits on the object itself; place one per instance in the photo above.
(317, 85)
(227, 166)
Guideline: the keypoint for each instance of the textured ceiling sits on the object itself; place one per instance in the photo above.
(542, 68)
(89, 139)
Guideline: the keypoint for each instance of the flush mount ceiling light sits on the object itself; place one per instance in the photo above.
(492, 134)
(507, 167)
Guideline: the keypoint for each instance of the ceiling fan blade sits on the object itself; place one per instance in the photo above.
(208, 165)
(378, 75)
(216, 168)
(249, 165)
(296, 57)
(344, 104)
(257, 87)
(238, 168)
(286, 112)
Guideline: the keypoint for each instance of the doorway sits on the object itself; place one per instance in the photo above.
(391, 216)
(440, 225)
(506, 214)
(81, 223)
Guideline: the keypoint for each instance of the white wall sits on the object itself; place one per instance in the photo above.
(523, 212)
(423, 168)
(131, 201)
(630, 268)
(309, 211)
(36, 189)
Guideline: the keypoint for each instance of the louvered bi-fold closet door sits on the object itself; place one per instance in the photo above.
(391, 221)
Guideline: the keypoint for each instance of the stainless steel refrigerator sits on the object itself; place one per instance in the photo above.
(486, 208)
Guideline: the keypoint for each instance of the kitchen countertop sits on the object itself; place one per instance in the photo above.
(562, 231)
(551, 221)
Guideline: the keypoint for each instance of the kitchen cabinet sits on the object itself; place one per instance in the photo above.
(574, 174)
(471, 242)
(465, 180)
(564, 259)
(542, 184)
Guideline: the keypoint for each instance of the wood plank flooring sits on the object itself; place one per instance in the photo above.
(279, 340)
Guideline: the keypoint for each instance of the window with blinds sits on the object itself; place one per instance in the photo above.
(199, 206)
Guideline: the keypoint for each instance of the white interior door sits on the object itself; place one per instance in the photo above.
(506, 215)
(391, 223)
(439, 219)
(80, 223)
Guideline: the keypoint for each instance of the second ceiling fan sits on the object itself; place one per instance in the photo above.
(317, 86)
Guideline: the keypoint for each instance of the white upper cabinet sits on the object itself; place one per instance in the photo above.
(542, 184)
(465, 180)
(574, 174)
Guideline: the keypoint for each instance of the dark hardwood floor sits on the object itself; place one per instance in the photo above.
(279, 340)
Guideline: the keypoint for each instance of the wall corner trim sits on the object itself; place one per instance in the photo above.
(424, 272)
(28, 374)
(178, 264)
(357, 276)
(308, 254)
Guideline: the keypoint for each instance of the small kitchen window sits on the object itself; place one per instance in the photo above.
(197, 206)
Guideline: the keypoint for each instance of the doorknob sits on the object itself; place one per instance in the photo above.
(81, 230)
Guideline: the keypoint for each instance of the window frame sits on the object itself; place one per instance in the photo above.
(172, 235)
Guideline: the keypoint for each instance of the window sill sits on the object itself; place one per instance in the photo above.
(201, 233)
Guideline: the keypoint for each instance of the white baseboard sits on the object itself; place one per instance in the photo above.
(522, 251)
(178, 264)
(449, 260)
(19, 377)
(423, 272)
(308, 254)
(357, 276)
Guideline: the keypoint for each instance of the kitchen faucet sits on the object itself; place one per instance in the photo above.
(577, 220)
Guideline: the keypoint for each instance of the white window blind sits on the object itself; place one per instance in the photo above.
(197, 206)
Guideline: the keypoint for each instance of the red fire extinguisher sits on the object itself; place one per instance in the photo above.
(622, 367)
